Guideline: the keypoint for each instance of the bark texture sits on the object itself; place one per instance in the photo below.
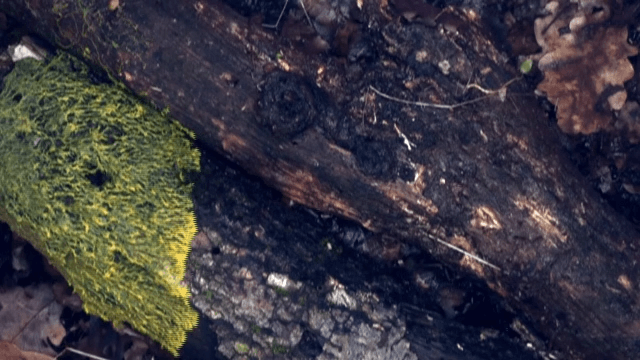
(488, 177)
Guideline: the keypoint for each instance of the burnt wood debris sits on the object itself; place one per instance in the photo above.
(410, 123)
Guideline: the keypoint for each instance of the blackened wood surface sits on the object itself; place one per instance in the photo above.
(488, 177)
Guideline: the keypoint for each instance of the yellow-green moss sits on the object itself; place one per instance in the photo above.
(98, 182)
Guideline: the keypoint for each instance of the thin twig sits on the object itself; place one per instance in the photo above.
(307, 15)
(478, 259)
(492, 92)
(489, 93)
(279, 17)
(426, 104)
(80, 353)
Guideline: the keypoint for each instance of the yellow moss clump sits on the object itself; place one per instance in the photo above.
(98, 182)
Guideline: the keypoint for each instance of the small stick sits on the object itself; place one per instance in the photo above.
(282, 13)
(279, 17)
(425, 104)
(492, 92)
(477, 258)
(307, 15)
(80, 353)
(489, 93)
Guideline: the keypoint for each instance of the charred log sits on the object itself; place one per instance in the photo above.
(489, 177)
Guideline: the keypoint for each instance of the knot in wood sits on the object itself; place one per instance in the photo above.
(287, 104)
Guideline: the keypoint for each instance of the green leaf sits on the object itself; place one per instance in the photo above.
(526, 66)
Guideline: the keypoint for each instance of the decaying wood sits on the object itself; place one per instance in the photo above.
(489, 177)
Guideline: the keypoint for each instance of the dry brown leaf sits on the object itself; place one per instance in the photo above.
(629, 121)
(9, 351)
(585, 64)
(29, 317)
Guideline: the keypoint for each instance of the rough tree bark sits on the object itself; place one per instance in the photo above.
(488, 176)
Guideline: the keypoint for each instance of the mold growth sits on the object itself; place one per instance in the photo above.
(98, 183)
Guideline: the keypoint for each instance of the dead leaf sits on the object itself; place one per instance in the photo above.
(30, 316)
(629, 121)
(9, 351)
(585, 64)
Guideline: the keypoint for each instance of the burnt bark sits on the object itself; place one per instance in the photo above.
(488, 176)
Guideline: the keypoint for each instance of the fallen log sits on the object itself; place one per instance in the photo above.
(385, 132)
